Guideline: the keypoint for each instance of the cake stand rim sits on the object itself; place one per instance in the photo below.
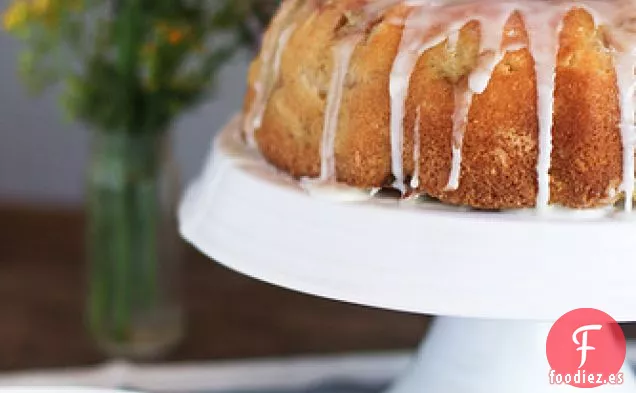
(216, 217)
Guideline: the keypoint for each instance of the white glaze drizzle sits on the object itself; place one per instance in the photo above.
(403, 66)
(342, 53)
(463, 99)
(419, 35)
(453, 40)
(462, 102)
(269, 71)
(374, 7)
(544, 27)
(336, 192)
(415, 180)
(625, 75)
(254, 119)
(278, 57)
(478, 79)
(623, 43)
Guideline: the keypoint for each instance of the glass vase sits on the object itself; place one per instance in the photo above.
(133, 307)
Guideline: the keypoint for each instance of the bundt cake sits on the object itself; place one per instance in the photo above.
(491, 104)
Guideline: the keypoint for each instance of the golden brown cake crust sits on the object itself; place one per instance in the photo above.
(500, 145)
(587, 153)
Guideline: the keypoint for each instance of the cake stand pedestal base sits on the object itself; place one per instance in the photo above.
(243, 213)
(470, 355)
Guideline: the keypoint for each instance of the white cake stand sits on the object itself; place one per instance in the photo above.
(497, 280)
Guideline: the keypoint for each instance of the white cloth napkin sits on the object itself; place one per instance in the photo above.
(242, 376)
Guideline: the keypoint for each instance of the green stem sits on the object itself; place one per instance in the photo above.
(149, 211)
(125, 212)
(123, 263)
(130, 30)
(99, 257)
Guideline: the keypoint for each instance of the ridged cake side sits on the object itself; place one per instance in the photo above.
(499, 144)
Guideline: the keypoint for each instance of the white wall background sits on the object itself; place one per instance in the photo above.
(42, 156)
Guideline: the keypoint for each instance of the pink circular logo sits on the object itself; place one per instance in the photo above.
(586, 348)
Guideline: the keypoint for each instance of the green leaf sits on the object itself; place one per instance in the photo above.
(99, 54)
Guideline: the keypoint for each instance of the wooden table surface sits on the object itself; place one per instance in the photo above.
(228, 316)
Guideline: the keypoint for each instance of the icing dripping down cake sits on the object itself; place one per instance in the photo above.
(491, 104)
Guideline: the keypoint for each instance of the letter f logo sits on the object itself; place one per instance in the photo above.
(583, 343)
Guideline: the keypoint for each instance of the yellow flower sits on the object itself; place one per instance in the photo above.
(16, 15)
(175, 36)
(23, 11)
(41, 7)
